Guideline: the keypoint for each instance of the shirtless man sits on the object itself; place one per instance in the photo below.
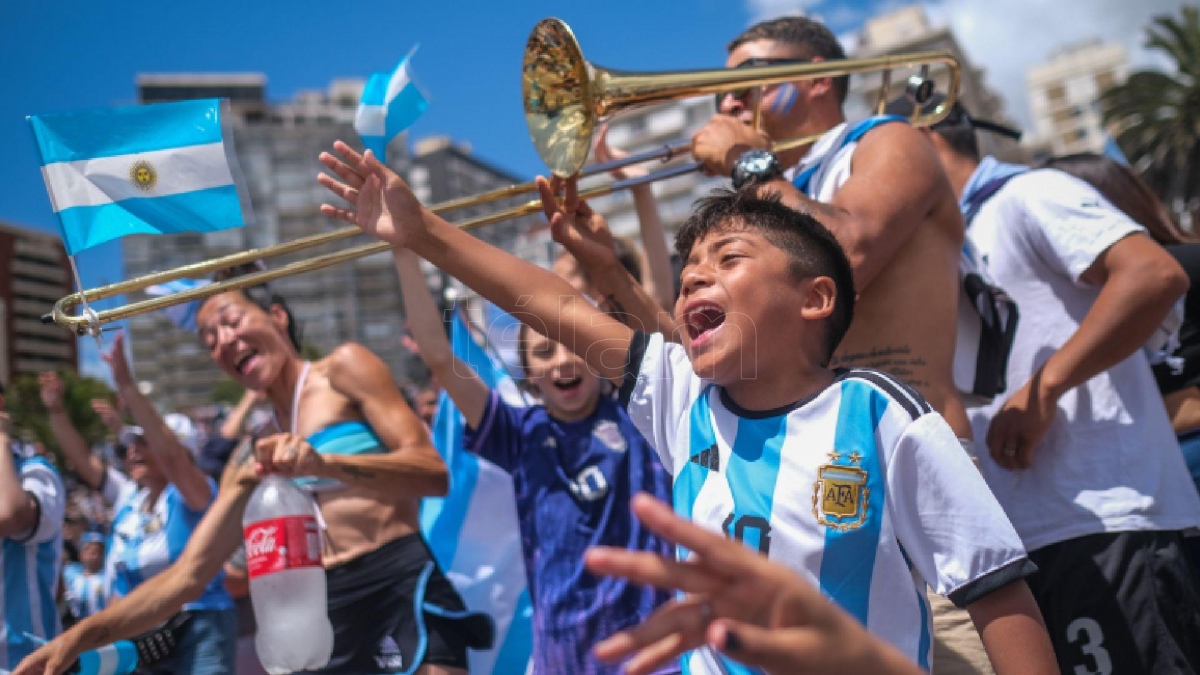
(885, 198)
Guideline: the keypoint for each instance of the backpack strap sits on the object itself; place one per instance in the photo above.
(980, 196)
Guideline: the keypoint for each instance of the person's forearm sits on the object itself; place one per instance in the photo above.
(661, 283)
(422, 313)
(413, 473)
(235, 422)
(1123, 317)
(149, 605)
(174, 459)
(89, 467)
(17, 514)
(630, 303)
(537, 297)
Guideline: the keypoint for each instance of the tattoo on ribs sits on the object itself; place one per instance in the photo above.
(897, 360)
(358, 472)
(616, 310)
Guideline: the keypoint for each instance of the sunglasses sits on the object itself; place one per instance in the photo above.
(753, 62)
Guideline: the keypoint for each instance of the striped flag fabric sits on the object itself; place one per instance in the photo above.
(390, 103)
(184, 315)
(473, 531)
(147, 169)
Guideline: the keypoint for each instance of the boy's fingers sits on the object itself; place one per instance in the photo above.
(682, 617)
(343, 170)
(338, 188)
(353, 158)
(549, 200)
(650, 568)
(774, 650)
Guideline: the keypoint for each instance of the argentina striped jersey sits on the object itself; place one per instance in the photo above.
(146, 539)
(861, 489)
(29, 566)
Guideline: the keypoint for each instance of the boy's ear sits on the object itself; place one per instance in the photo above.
(820, 300)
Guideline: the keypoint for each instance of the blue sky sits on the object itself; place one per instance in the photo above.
(74, 54)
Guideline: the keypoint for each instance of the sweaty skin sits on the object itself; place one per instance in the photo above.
(897, 217)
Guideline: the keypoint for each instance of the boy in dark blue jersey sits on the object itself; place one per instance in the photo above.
(576, 461)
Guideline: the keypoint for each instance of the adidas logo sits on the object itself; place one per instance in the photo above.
(709, 459)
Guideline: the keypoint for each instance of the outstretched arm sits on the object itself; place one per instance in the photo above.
(88, 466)
(587, 237)
(18, 509)
(385, 208)
(175, 460)
(158, 598)
(469, 392)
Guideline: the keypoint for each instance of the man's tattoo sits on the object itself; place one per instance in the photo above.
(895, 359)
(616, 310)
(358, 472)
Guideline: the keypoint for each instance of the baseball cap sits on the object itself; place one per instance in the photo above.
(958, 116)
(183, 428)
(91, 538)
(129, 435)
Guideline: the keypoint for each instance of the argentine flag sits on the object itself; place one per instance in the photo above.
(473, 531)
(145, 169)
(390, 103)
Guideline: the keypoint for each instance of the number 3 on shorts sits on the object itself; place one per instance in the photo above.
(1085, 630)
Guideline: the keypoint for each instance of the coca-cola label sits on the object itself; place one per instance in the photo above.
(281, 544)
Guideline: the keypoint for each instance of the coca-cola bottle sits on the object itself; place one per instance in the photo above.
(287, 581)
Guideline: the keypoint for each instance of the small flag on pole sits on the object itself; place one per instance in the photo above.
(146, 169)
(390, 103)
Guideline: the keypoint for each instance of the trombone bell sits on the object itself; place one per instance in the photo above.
(559, 95)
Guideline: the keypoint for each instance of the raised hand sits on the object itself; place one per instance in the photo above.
(740, 603)
(108, 415)
(50, 387)
(605, 153)
(575, 225)
(383, 206)
(288, 455)
(115, 358)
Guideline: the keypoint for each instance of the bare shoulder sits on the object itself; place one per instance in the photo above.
(888, 143)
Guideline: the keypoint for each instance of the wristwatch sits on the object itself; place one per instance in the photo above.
(755, 166)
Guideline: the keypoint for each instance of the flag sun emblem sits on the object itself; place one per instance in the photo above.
(143, 176)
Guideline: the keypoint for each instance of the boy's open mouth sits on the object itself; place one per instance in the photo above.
(702, 319)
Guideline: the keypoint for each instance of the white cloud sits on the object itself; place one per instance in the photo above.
(1006, 39)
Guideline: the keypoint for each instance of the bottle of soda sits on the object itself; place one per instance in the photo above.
(287, 581)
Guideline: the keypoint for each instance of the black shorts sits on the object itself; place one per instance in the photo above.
(393, 610)
(1120, 602)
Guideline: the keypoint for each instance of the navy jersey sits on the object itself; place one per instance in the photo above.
(573, 482)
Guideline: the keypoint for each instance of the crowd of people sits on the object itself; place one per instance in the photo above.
(912, 408)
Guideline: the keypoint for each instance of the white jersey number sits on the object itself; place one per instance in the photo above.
(1086, 630)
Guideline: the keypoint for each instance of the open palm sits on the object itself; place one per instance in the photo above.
(383, 206)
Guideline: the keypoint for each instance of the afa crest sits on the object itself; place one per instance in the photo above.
(143, 175)
(840, 496)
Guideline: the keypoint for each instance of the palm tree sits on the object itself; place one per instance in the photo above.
(1157, 115)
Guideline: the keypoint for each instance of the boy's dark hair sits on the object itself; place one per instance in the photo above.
(262, 296)
(811, 249)
(813, 38)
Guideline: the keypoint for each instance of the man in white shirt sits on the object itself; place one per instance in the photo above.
(32, 503)
(1079, 451)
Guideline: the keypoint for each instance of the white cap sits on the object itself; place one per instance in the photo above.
(129, 435)
(184, 430)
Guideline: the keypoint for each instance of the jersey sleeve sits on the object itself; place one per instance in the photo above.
(498, 438)
(42, 484)
(116, 487)
(1070, 223)
(657, 391)
(950, 525)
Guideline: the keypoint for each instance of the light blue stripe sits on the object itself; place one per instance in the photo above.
(513, 655)
(346, 438)
(107, 132)
(127, 660)
(691, 476)
(376, 144)
(18, 616)
(419, 617)
(849, 560)
(403, 110)
(752, 473)
(207, 210)
(926, 636)
(47, 561)
(376, 90)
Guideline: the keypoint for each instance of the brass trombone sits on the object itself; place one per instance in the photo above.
(565, 99)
